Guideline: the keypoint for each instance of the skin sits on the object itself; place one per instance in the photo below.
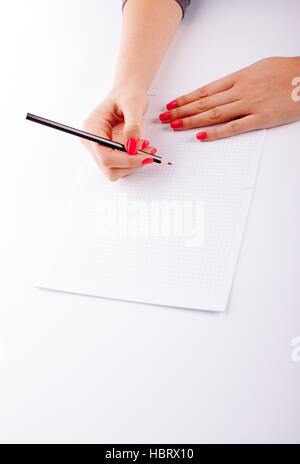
(148, 28)
(256, 97)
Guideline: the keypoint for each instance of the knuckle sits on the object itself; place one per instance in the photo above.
(201, 106)
(202, 92)
(134, 126)
(215, 114)
(111, 175)
(182, 101)
(90, 125)
(136, 162)
(106, 161)
(133, 162)
(234, 126)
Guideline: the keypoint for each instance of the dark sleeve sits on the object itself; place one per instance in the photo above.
(183, 3)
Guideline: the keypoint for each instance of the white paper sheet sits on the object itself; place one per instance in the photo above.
(214, 178)
(111, 241)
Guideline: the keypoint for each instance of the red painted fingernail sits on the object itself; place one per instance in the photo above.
(132, 146)
(148, 161)
(165, 116)
(172, 105)
(176, 124)
(145, 144)
(201, 135)
(153, 151)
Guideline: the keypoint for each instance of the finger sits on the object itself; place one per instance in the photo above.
(133, 117)
(144, 144)
(114, 174)
(199, 106)
(108, 157)
(119, 159)
(102, 129)
(214, 87)
(214, 116)
(150, 149)
(238, 126)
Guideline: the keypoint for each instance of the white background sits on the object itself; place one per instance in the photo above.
(78, 369)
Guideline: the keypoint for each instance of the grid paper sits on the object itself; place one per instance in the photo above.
(156, 269)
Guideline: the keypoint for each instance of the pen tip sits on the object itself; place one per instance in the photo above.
(170, 164)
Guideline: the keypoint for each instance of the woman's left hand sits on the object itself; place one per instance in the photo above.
(265, 94)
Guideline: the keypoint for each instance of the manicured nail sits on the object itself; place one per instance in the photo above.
(153, 151)
(165, 116)
(145, 144)
(201, 135)
(172, 105)
(148, 161)
(132, 146)
(176, 124)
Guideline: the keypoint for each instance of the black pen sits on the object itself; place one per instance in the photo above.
(91, 137)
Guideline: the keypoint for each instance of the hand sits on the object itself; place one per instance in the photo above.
(256, 97)
(119, 118)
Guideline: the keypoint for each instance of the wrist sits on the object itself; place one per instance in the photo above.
(121, 94)
(129, 86)
(121, 90)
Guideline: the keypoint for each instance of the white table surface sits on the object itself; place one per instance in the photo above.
(81, 369)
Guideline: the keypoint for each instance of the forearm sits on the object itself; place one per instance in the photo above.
(148, 28)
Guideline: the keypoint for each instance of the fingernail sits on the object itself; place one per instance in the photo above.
(176, 124)
(148, 161)
(132, 146)
(172, 105)
(165, 116)
(153, 151)
(201, 135)
(145, 144)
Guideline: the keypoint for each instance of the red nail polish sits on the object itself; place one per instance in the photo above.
(176, 124)
(145, 144)
(153, 151)
(172, 105)
(165, 116)
(201, 135)
(148, 161)
(132, 146)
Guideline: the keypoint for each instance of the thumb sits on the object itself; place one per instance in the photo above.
(133, 118)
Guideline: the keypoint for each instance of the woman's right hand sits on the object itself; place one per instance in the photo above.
(119, 117)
